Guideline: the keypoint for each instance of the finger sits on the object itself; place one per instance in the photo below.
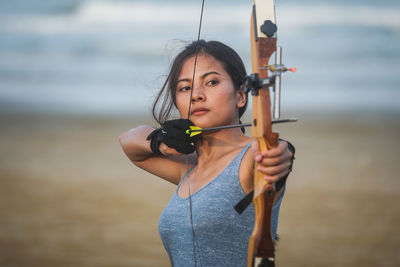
(277, 177)
(276, 151)
(271, 179)
(276, 155)
(185, 148)
(269, 162)
(255, 147)
(275, 161)
(167, 151)
(180, 146)
(275, 170)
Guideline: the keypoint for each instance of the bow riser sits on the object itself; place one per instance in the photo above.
(264, 193)
(264, 48)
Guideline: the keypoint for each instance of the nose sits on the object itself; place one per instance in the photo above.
(198, 94)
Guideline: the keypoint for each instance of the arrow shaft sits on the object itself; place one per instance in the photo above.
(240, 125)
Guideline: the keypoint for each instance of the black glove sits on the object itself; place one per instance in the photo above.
(173, 134)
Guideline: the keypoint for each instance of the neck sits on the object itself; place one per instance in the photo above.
(212, 145)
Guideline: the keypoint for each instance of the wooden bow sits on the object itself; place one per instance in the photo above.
(263, 45)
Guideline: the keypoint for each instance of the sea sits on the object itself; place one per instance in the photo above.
(112, 56)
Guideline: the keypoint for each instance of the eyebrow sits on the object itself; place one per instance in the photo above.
(202, 76)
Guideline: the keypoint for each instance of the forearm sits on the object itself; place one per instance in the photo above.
(135, 145)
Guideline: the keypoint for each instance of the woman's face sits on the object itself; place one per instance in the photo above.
(214, 100)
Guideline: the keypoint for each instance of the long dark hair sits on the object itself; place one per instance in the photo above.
(230, 60)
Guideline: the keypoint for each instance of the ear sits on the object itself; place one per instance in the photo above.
(241, 97)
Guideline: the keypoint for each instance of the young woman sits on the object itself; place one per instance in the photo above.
(213, 171)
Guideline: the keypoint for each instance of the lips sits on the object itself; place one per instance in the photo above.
(199, 111)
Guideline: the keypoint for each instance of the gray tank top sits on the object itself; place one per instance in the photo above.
(221, 235)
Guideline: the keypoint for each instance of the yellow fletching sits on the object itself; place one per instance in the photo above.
(194, 130)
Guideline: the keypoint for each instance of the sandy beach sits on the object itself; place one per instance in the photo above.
(69, 196)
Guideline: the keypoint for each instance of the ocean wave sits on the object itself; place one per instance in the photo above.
(328, 14)
(121, 15)
(95, 15)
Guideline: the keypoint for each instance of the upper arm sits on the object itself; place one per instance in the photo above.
(246, 172)
(171, 168)
(137, 148)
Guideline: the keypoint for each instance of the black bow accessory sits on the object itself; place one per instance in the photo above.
(173, 134)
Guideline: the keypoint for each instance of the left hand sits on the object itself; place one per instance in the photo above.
(273, 163)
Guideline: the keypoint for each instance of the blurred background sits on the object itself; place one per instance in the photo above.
(75, 74)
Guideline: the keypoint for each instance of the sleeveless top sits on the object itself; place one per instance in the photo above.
(220, 234)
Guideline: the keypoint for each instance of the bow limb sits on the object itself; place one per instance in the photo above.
(261, 243)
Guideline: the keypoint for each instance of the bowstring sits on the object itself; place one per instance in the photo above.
(188, 117)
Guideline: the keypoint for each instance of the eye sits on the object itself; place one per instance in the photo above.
(184, 88)
(213, 82)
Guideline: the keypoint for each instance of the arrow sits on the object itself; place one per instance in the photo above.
(195, 130)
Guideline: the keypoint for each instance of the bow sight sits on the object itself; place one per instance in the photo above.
(253, 83)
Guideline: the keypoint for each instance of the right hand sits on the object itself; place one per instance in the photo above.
(172, 138)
